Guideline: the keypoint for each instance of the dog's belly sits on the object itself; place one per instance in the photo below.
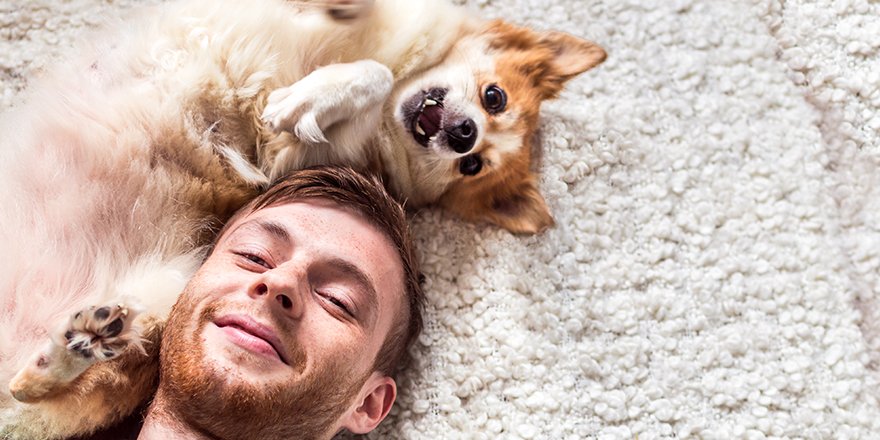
(104, 194)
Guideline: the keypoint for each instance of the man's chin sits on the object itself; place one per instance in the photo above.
(230, 393)
(229, 401)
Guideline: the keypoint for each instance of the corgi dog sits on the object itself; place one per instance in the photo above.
(120, 164)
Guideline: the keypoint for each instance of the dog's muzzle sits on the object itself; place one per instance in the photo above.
(429, 120)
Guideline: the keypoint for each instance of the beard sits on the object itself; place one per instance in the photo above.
(218, 402)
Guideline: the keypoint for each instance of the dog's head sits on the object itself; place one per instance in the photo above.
(468, 122)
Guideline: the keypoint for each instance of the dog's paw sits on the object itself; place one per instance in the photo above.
(91, 335)
(292, 109)
(328, 95)
(102, 332)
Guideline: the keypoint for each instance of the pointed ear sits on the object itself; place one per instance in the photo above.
(568, 57)
(523, 211)
(514, 203)
(572, 56)
(372, 405)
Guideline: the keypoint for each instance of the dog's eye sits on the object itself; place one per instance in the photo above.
(494, 99)
(470, 165)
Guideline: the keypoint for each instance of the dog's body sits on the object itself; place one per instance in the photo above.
(122, 162)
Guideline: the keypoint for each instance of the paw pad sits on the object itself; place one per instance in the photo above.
(100, 332)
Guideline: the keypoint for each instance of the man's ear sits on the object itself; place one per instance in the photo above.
(372, 404)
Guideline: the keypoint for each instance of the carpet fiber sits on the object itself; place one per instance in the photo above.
(714, 270)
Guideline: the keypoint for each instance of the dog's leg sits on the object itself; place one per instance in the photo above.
(346, 98)
(95, 334)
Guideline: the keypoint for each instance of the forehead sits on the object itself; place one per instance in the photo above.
(325, 221)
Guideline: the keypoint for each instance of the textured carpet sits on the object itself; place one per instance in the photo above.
(714, 270)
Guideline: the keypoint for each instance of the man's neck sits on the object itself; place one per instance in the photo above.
(162, 424)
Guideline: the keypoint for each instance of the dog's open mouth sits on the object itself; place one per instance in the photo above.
(425, 115)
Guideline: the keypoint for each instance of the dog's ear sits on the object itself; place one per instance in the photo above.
(548, 58)
(572, 56)
(569, 57)
(521, 209)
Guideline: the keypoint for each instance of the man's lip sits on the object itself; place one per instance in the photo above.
(250, 326)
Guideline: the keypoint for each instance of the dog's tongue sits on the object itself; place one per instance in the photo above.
(430, 118)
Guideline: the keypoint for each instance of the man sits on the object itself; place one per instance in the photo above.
(295, 323)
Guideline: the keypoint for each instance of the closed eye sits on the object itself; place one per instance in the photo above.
(254, 259)
(346, 289)
(339, 304)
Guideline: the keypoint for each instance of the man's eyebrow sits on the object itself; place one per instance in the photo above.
(276, 230)
(369, 289)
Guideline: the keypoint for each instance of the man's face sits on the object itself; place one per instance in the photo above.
(276, 334)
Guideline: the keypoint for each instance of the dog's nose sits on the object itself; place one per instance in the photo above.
(462, 135)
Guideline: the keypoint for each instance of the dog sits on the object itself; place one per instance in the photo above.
(122, 161)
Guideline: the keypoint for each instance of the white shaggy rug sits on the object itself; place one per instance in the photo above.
(714, 270)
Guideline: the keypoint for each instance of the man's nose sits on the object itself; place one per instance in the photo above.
(282, 289)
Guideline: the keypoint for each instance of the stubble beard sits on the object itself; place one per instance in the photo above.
(218, 403)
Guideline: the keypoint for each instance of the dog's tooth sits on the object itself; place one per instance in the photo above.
(420, 130)
(429, 101)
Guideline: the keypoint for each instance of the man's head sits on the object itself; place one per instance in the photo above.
(299, 316)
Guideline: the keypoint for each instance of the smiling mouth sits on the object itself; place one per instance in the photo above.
(252, 335)
(425, 115)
